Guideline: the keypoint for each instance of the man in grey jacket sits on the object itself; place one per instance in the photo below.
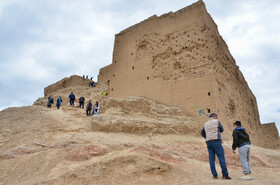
(212, 133)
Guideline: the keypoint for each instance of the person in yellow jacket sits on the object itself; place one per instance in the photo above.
(104, 93)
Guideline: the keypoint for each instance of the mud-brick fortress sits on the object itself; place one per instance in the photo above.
(180, 59)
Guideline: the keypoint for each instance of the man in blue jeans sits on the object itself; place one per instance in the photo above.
(211, 131)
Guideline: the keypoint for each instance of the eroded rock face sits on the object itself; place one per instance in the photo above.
(82, 153)
(140, 115)
(118, 169)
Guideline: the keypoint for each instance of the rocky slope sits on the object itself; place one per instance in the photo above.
(132, 141)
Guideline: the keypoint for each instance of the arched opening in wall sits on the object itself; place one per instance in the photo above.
(132, 67)
(208, 110)
(115, 61)
(148, 78)
(209, 94)
(131, 53)
(108, 82)
(112, 89)
(113, 74)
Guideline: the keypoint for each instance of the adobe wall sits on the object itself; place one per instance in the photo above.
(157, 58)
(270, 135)
(234, 99)
(180, 59)
(74, 80)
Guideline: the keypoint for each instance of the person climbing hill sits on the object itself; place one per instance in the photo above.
(88, 108)
(58, 102)
(104, 93)
(91, 84)
(72, 99)
(96, 108)
(50, 102)
(82, 101)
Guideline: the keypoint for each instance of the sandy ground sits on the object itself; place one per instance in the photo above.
(49, 146)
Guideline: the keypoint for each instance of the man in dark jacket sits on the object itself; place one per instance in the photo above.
(212, 133)
(72, 98)
(82, 101)
(50, 102)
(89, 107)
(242, 141)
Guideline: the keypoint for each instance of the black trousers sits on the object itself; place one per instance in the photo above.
(88, 112)
(72, 102)
(82, 104)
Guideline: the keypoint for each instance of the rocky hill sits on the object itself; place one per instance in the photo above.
(132, 141)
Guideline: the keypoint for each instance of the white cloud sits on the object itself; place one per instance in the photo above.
(251, 32)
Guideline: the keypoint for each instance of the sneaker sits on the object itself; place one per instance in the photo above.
(215, 177)
(246, 177)
(226, 177)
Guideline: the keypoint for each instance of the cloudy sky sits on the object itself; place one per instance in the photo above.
(43, 41)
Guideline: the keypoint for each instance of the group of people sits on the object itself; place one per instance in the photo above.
(72, 98)
(87, 77)
(211, 131)
(91, 84)
(95, 108)
(50, 102)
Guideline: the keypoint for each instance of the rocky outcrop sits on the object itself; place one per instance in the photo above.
(66, 82)
(140, 115)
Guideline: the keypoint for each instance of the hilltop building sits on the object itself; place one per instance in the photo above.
(180, 59)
